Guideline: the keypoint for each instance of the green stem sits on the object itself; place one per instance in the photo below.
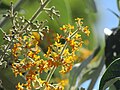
(50, 74)
(54, 68)
(65, 46)
(3, 54)
(4, 19)
(37, 13)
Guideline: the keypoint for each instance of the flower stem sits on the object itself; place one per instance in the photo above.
(65, 46)
(4, 19)
(50, 74)
(37, 13)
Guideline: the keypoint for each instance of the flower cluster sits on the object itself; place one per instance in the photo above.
(27, 59)
(62, 53)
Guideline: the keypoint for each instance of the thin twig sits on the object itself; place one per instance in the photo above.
(4, 19)
(32, 18)
(50, 74)
(65, 46)
(37, 13)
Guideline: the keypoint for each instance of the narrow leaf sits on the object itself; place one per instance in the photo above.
(77, 70)
(110, 82)
(114, 13)
(118, 4)
(96, 75)
(112, 72)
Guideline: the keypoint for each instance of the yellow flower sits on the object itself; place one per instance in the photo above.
(54, 54)
(58, 37)
(64, 82)
(69, 59)
(58, 44)
(25, 38)
(79, 21)
(86, 30)
(66, 68)
(63, 28)
(19, 87)
(59, 87)
(70, 27)
(48, 52)
(67, 27)
(72, 43)
(77, 36)
(68, 39)
(66, 52)
(36, 57)
(30, 54)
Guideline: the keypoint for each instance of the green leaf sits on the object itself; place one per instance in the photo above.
(111, 75)
(92, 74)
(96, 75)
(76, 71)
(118, 4)
(91, 6)
(110, 82)
(9, 81)
(65, 14)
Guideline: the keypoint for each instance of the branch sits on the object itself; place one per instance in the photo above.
(4, 19)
